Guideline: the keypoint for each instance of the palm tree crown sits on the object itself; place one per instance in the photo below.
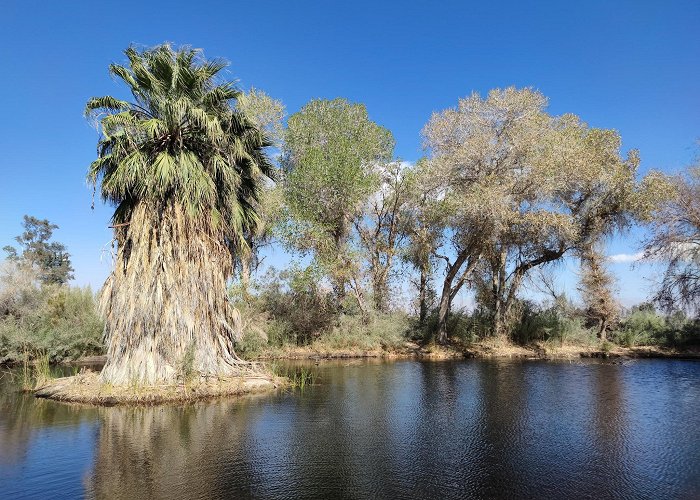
(181, 141)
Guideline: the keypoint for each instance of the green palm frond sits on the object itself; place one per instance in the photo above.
(181, 140)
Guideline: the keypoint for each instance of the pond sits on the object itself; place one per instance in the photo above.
(372, 429)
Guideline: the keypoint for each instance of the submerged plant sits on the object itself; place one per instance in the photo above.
(183, 167)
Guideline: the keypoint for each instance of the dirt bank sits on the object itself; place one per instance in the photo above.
(486, 349)
(86, 388)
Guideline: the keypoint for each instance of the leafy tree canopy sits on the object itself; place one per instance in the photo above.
(330, 150)
(49, 258)
(180, 141)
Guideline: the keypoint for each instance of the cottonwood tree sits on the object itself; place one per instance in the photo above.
(675, 240)
(587, 190)
(267, 113)
(445, 229)
(18, 287)
(530, 185)
(381, 226)
(424, 231)
(419, 254)
(49, 258)
(473, 148)
(183, 168)
(330, 152)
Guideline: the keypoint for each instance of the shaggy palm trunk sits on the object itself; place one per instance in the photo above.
(167, 315)
(245, 274)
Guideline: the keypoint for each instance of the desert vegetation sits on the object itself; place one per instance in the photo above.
(41, 316)
(208, 180)
(505, 192)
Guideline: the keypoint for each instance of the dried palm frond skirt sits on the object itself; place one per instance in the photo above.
(166, 308)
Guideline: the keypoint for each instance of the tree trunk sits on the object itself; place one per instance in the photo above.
(380, 290)
(505, 291)
(602, 327)
(443, 312)
(339, 275)
(166, 310)
(499, 283)
(359, 296)
(422, 297)
(339, 288)
(449, 292)
(498, 323)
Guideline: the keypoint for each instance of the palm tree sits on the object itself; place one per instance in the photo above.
(183, 168)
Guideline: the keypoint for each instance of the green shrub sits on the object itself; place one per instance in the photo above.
(290, 307)
(251, 345)
(462, 325)
(559, 322)
(643, 325)
(59, 321)
(372, 332)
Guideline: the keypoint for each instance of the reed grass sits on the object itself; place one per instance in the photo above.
(298, 376)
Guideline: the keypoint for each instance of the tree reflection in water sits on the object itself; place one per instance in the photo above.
(406, 429)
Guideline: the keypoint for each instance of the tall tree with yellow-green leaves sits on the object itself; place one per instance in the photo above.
(183, 168)
(330, 153)
(517, 188)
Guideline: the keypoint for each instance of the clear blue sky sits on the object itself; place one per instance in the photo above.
(629, 65)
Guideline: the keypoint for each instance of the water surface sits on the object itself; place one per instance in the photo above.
(407, 429)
